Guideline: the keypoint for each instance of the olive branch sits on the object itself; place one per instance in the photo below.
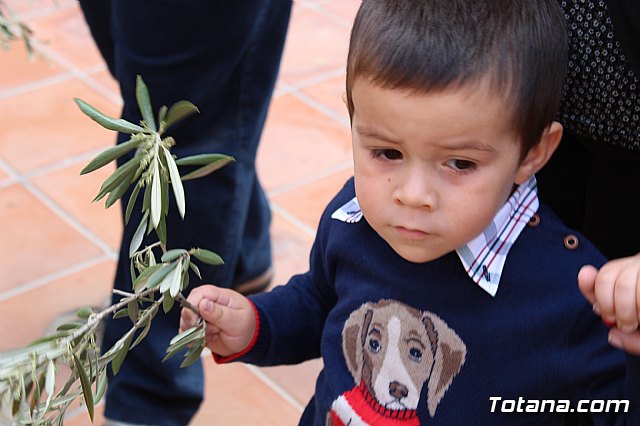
(28, 376)
(12, 28)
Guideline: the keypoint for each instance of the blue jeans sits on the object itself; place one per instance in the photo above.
(224, 57)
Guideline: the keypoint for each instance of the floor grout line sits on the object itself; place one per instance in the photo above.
(272, 384)
(306, 229)
(83, 158)
(50, 278)
(42, 13)
(282, 87)
(321, 78)
(36, 85)
(12, 177)
(82, 75)
(336, 168)
(319, 106)
(317, 7)
(60, 212)
(70, 219)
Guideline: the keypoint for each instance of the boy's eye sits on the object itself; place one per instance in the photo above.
(461, 165)
(389, 154)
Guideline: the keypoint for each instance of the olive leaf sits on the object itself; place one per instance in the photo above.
(109, 155)
(165, 284)
(176, 183)
(50, 382)
(173, 254)
(123, 173)
(86, 385)
(193, 355)
(141, 281)
(84, 312)
(162, 114)
(156, 200)
(101, 387)
(144, 103)
(212, 163)
(122, 351)
(138, 236)
(167, 302)
(132, 311)
(158, 276)
(207, 256)
(118, 125)
(131, 203)
(195, 269)
(185, 339)
(179, 111)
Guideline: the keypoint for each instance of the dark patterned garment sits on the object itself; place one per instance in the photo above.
(601, 92)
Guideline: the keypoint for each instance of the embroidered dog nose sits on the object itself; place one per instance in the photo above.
(398, 390)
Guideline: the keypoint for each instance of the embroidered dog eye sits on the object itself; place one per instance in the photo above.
(415, 354)
(374, 345)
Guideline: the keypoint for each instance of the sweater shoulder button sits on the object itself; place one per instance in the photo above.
(534, 221)
(571, 242)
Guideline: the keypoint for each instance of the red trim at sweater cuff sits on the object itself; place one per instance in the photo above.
(224, 359)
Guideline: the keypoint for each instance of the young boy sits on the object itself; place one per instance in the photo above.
(439, 291)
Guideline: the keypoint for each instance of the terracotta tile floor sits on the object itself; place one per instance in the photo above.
(57, 250)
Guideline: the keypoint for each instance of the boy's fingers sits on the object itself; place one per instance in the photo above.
(224, 309)
(587, 282)
(636, 295)
(625, 300)
(605, 291)
(215, 313)
(628, 342)
(188, 318)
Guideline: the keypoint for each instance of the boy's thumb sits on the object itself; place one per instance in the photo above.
(214, 313)
(587, 282)
(208, 306)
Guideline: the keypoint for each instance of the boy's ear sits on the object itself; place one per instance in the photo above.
(344, 98)
(540, 153)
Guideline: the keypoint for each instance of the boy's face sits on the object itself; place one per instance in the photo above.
(432, 170)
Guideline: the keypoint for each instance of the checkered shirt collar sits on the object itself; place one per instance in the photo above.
(483, 257)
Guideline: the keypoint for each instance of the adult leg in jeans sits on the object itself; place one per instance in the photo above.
(224, 57)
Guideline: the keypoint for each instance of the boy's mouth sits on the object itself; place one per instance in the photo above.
(409, 233)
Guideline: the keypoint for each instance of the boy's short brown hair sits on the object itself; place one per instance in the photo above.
(518, 46)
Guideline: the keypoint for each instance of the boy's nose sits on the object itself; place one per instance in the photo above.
(416, 190)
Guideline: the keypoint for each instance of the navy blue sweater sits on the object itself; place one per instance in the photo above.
(409, 343)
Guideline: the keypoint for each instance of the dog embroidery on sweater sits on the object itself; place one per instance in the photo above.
(392, 351)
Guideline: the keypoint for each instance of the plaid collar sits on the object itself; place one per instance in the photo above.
(483, 257)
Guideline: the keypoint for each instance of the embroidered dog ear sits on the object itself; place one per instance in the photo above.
(354, 338)
(449, 357)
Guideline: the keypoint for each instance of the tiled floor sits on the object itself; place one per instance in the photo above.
(57, 250)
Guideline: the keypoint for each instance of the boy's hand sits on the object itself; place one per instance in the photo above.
(614, 292)
(230, 318)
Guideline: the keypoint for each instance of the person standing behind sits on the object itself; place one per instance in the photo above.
(591, 180)
(224, 57)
